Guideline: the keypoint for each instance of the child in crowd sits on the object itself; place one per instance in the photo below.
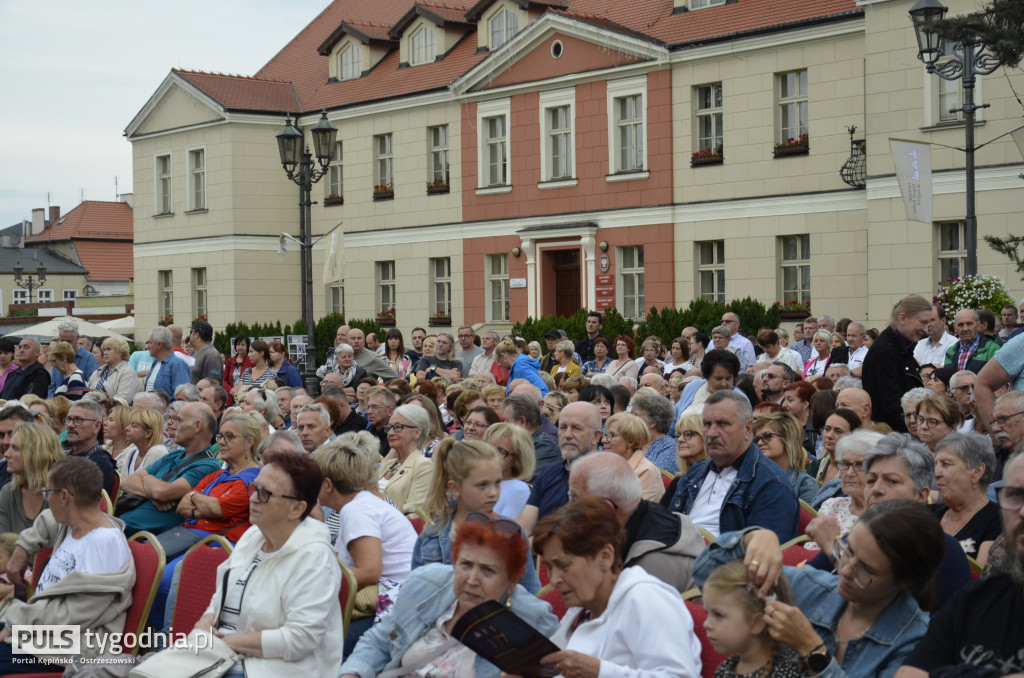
(735, 626)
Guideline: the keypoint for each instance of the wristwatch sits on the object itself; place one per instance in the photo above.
(818, 659)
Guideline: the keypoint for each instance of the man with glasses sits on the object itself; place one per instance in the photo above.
(775, 380)
(468, 350)
(84, 423)
(738, 343)
(164, 482)
(961, 384)
(982, 626)
(1006, 428)
(380, 405)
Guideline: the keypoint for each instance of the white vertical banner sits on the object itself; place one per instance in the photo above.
(913, 160)
(335, 240)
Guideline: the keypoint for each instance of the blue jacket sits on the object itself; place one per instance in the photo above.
(173, 373)
(435, 546)
(290, 375)
(881, 650)
(527, 368)
(761, 495)
(84, 360)
(426, 595)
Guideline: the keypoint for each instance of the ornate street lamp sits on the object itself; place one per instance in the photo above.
(298, 164)
(966, 60)
(29, 282)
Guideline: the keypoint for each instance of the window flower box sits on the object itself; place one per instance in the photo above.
(707, 156)
(334, 200)
(384, 192)
(438, 186)
(166, 320)
(387, 318)
(794, 310)
(792, 146)
(442, 319)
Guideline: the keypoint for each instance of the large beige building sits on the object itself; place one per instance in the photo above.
(507, 158)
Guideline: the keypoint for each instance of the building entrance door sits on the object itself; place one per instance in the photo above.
(567, 282)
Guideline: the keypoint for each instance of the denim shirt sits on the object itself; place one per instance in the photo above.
(435, 546)
(426, 595)
(879, 652)
(761, 495)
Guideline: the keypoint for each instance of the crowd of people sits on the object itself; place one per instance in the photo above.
(466, 468)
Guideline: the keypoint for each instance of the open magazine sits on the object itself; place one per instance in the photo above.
(495, 633)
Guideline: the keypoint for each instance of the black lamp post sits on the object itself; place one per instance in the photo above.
(29, 282)
(967, 60)
(297, 162)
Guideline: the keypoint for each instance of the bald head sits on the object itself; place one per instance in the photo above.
(610, 477)
(530, 391)
(858, 400)
(579, 430)
(655, 381)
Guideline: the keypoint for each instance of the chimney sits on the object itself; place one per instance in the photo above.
(54, 214)
(37, 220)
(128, 199)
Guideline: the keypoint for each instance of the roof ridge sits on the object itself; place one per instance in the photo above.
(239, 76)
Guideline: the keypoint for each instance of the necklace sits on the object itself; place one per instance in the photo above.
(968, 513)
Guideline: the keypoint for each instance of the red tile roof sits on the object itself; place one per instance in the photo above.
(238, 92)
(92, 219)
(439, 14)
(106, 260)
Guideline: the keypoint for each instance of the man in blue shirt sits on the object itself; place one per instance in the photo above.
(84, 360)
(168, 371)
(164, 482)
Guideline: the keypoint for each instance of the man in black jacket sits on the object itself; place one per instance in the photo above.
(30, 377)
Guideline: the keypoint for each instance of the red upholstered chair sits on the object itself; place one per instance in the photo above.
(709, 659)
(347, 596)
(542, 572)
(417, 524)
(106, 505)
(115, 489)
(794, 554)
(199, 569)
(554, 599)
(150, 561)
(807, 514)
(666, 477)
(38, 565)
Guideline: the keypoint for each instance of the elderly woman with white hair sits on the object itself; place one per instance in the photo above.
(822, 345)
(838, 515)
(115, 377)
(405, 478)
(964, 467)
(909, 403)
(264, 401)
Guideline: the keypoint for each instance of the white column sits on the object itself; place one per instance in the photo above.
(532, 283)
(589, 285)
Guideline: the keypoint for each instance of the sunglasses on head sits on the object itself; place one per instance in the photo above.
(503, 526)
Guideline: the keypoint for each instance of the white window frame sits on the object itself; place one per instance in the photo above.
(635, 273)
(386, 286)
(500, 30)
(619, 89)
(68, 295)
(441, 285)
(498, 305)
(550, 102)
(163, 202)
(384, 160)
(703, 4)
(335, 184)
(423, 46)
(943, 257)
(933, 113)
(799, 100)
(716, 267)
(438, 165)
(165, 285)
(19, 297)
(350, 62)
(200, 296)
(713, 113)
(196, 179)
(802, 264)
(47, 292)
(486, 110)
(336, 298)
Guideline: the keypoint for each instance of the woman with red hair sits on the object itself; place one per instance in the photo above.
(625, 365)
(279, 362)
(796, 400)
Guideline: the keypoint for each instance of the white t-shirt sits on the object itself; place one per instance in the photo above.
(707, 508)
(370, 516)
(817, 368)
(100, 551)
(857, 357)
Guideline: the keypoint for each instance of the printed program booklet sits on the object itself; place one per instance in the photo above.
(495, 633)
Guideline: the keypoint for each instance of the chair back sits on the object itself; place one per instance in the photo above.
(417, 523)
(542, 572)
(106, 505)
(554, 599)
(709, 658)
(38, 565)
(796, 555)
(199, 570)
(347, 595)
(115, 489)
(976, 568)
(150, 561)
(807, 514)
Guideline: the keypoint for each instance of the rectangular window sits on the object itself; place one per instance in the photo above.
(165, 280)
(424, 46)
(441, 285)
(630, 124)
(698, 4)
(163, 184)
(504, 25)
(497, 151)
(337, 299)
(439, 154)
(709, 117)
(199, 292)
(494, 139)
(792, 105)
(385, 285)
(351, 62)
(711, 270)
(560, 141)
(20, 296)
(385, 176)
(197, 179)
(952, 250)
(497, 285)
(796, 268)
(70, 295)
(45, 296)
(335, 175)
(631, 281)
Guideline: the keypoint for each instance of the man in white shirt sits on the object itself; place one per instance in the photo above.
(932, 349)
(483, 362)
(744, 349)
(855, 334)
(771, 342)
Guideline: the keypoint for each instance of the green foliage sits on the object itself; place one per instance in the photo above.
(24, 313)
(973, 291)
(324, 332)
(1009, 247)
(1000, 25)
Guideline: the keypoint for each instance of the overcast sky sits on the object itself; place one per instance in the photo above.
(73, 73)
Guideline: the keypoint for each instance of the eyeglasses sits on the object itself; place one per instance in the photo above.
(910, 416)
(474, 424)
(1010, 498)
(966, 388)
(608, 435)
(845, 466)
(375, 408)
(76, 421)
(398, 428)
(765, 437)
(842, 556)
(226, 437)
(503, 526)
(574, 497)
(505, 454)
(929, 422)
(264, 495)
(724, 321)
(1002, 420)
(688, 434)
(46, 492)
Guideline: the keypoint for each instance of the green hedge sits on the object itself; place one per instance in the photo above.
(324, 332)
(534, 329)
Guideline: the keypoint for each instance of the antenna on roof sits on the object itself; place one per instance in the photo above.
(116, 194)
(81, 196)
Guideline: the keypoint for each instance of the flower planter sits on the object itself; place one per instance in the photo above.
(439, 322)
(698, 160)
(794, 315)
(439, 188)
(334, 200)
(386, 322)
(384, 195)
(796, 149)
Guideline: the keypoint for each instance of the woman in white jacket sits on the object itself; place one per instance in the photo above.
(621, 622)
(277, 595)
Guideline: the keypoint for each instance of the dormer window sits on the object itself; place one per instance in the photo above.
(350, 60)
(699, 4)
(504, 25)
(424, 46)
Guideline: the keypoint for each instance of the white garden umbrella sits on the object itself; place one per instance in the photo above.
(48, 330)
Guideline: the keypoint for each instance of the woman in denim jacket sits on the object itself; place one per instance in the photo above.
(490, 558)
(864, 621)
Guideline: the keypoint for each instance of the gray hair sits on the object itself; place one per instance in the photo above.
(177, 405)
(161, 335)
(344, 348)
(68, 326)
(265, 403)
(830, 319)
(858, 442)
(857, 323)
(658, 409)
(722, 330)
(1015, 398)
(467, 327)
(497, 337)
(325, 416)
(973, 449)
(289, 437)
(190, 391)
(633, 384)
(607, 481)
(848, 382)
(148, 400)
(419, 418)
(915, 395)
(603, 379)
(521, 406)
(90, 405)
(447, 334)
(787, 372)
(842, 367)
(782, 333)
(743, 408)
(919, 460)
(956, 377)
